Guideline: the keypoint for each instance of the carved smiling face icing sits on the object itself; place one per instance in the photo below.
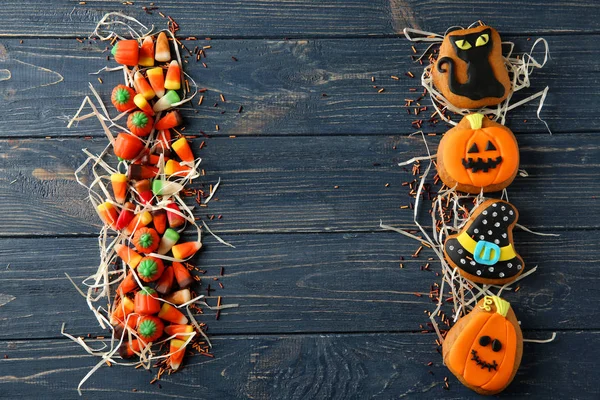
(470, 70)
(483, 250)
(478, 154)
(483, 350)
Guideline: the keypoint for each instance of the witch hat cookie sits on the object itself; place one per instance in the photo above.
(483, 250)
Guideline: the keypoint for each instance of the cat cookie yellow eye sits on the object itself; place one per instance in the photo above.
(481, 40)
(464, 45)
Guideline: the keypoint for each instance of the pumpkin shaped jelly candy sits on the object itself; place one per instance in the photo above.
(478, 154)
(484, 349)
(470, 71)
(483, 250)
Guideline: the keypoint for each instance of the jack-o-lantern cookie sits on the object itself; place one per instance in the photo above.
(478, 154)
(470, 71)
(484, 349)
(483, 250)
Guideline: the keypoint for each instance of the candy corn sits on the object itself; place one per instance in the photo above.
(152, 159)
(140, 123)
(162, 53)
(142, 86)
(140, 101)
(157, 80)
(182, 275)
(139, 221)
(128, 255)
(119, 185)
(143, 191)
(175, 220)
(159, 219)
(168, 241)
(182, 332)
(125, 216)
(127, 285)
(121, 310)
(129, 349)
(171, 314)
(177, 350)
(108, 213)
(146, 240)
(165, 188)
(127, 146)
(183, 150)
(126, 52)
(136, 172)
(174, 168)
(171, 120)
(165, 283)
(122, 98)
(179, 297)
(130, 321)
(164, 140)
(150, 269)
(173, 79)
(185, 250)
(147, 52)
(145, 301)
(167, 101)
(150, 328)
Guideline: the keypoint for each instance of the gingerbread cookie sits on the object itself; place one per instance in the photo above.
(470, 71)
(483, 250)
(484, 349)
(478, 154)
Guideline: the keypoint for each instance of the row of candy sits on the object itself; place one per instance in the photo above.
(145, 208)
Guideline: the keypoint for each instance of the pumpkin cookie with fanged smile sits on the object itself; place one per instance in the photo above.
(484, 349)
(478, 154)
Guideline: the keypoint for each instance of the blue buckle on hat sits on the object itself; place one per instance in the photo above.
(486, 253)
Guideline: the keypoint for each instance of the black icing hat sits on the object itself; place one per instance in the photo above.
(483, 248)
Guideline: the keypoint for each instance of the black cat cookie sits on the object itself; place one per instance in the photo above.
(483, 250)
(470, 70)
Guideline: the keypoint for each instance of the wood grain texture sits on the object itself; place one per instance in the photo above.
(287, 184)
(281, 86)
(303, 283)
(381, 366)
(302, 18)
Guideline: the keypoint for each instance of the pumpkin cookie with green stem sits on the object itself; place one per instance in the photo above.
(478, 155)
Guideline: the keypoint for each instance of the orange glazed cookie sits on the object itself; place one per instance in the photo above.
(484, 349)
(470, 71)
(478, 154)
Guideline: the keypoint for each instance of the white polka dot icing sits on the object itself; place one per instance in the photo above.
(490, 223)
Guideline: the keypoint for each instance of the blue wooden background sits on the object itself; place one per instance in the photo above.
(325, 310)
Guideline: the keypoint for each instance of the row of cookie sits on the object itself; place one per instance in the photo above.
(483, 349)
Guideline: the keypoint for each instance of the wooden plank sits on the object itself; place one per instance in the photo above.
(281, 86)
(288, 184)
(305, 366)
(302, 18)
(302, 283)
